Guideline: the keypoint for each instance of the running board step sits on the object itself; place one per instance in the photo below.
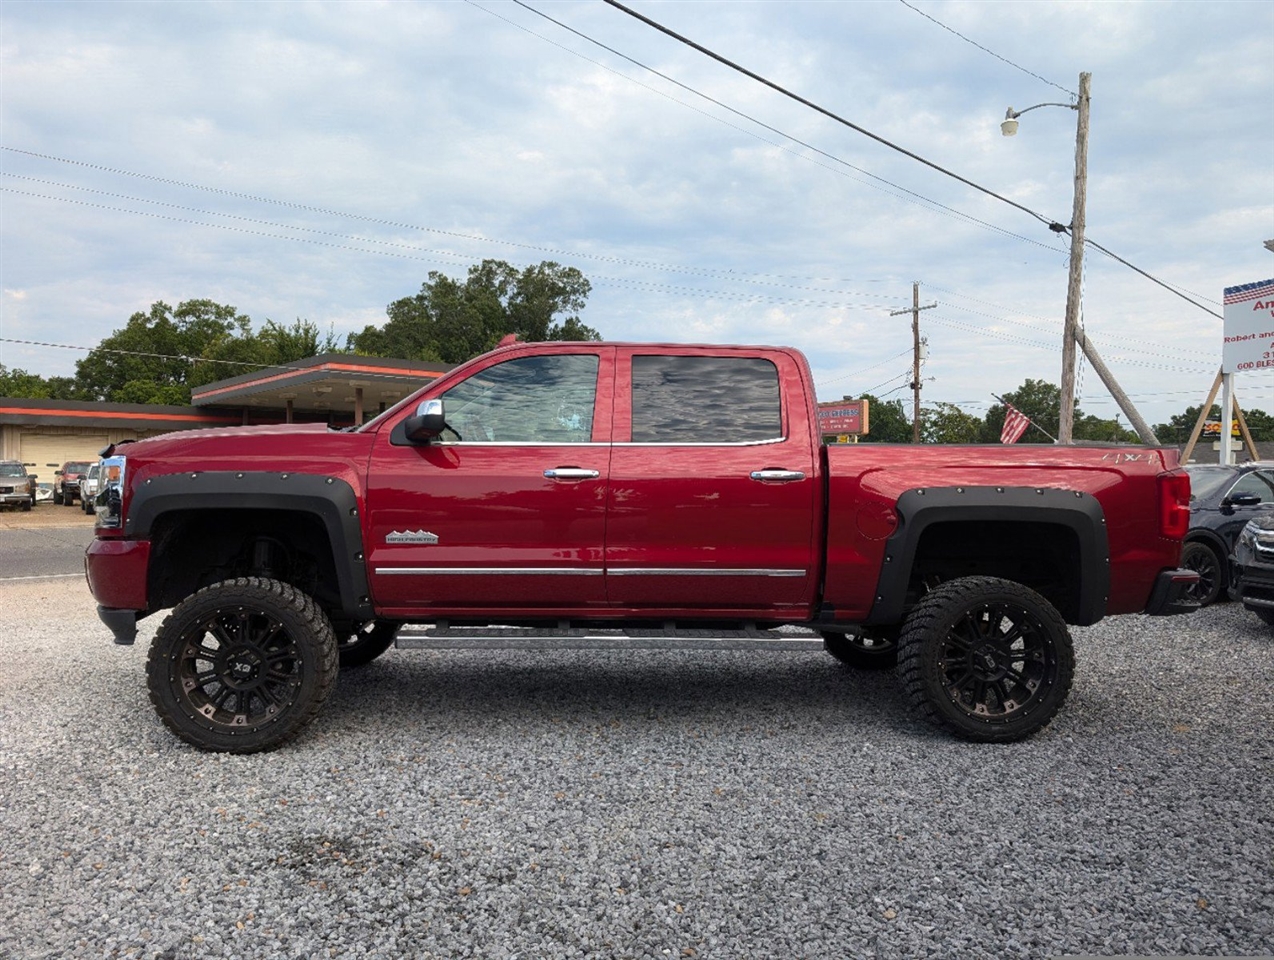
(445, 637)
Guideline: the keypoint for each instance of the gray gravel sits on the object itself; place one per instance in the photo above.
(638, 804)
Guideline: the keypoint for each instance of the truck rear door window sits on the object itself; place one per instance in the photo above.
(546, 399)
(705, 400)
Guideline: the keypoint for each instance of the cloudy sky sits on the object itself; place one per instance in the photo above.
(318, 160)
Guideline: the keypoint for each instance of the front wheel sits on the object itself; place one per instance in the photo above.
(1207, 563)
(242, 665)
(988, 659)
(367, 643)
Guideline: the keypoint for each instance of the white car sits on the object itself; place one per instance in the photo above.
(89, 487)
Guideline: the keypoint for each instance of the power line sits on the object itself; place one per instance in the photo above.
(725, 273)
(987, 50)
(918, 198)
(1052, 225)
(826, 112)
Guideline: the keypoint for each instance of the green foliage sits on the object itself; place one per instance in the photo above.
(947, 423)
(1039, 400)
(17, 383)
(1177, 430)
(157, 356)
(887, 421)
(450, 321)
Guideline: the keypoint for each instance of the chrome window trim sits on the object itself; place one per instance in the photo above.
(518, 443)
(724, 443)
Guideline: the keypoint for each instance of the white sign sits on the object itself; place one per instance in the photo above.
(1249, 328)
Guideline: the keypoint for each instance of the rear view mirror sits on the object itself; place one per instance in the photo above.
(427, 423)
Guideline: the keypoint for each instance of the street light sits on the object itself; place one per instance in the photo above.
(1066, 416)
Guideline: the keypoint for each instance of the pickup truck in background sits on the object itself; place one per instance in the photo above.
(622, 484)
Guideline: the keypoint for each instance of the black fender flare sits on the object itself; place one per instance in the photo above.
(921, 508)
(332, 500)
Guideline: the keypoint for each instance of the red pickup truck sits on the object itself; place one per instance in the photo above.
(621, 484)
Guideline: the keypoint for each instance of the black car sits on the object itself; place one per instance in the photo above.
(1252, 569)
(1223, 498)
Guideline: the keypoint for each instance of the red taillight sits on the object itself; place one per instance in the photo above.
(1174, 504)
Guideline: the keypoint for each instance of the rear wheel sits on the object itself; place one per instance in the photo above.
(987, 659)
(242, 665)
(877, 650)
(367, 643)
(1206, 562)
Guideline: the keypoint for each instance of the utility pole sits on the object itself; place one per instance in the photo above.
(1066, 416)
(915, 355)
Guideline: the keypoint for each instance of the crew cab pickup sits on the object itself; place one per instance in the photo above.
(620, 484)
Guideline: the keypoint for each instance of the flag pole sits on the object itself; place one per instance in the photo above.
(1028, 420)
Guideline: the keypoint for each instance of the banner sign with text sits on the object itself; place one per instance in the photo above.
(845, 416)
(1249, 328)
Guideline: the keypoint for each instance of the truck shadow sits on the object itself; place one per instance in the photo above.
(428, 693)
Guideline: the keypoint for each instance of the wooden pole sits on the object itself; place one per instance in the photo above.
(1203, 418)
(1066, 416)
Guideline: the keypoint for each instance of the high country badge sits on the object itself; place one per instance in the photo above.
(411, 536)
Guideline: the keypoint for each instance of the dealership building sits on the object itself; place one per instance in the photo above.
(334, 388)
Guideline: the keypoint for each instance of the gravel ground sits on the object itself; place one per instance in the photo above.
(638, 804)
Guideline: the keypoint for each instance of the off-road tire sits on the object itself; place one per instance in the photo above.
(877, 650)
(365, 645)
(57, 497)
(242, 665)
(1207, 563)
(986, 659)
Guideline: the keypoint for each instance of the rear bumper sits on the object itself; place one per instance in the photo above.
(1169, 594)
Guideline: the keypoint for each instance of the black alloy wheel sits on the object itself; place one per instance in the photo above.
(367, 643)
(242, 665)
(873, 650)
(1204, 561)
(988, 659)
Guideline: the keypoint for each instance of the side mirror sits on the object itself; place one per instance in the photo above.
(428, 422)
(1243, 500)
(57, 473)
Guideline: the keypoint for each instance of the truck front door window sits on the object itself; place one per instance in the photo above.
(547, 399)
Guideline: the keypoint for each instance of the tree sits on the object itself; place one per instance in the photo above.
(1177, 429)
(1039, 400)
(450, 321)
(887, 421)
(159, 355)
(150, 359)
(15, 382)
(947, 423)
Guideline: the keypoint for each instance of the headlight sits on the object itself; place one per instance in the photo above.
(109, 502)
(1247, 536)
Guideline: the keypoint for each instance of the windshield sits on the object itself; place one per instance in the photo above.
(12, 470)
(1205, 481)
(79, 466)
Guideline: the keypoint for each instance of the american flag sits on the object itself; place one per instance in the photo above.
(1015, 424)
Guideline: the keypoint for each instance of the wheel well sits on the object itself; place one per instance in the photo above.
(1042, 556)
(192, 549)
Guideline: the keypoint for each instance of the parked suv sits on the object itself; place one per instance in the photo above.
(1252, 568)
(67, 488)
(1222, 499)
(17, 487)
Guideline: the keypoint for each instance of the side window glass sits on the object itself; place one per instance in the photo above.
(1257, 483)
(545, 399)
(705, 400)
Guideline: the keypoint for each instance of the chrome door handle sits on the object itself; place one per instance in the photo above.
(571, 473)
(777, 476)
